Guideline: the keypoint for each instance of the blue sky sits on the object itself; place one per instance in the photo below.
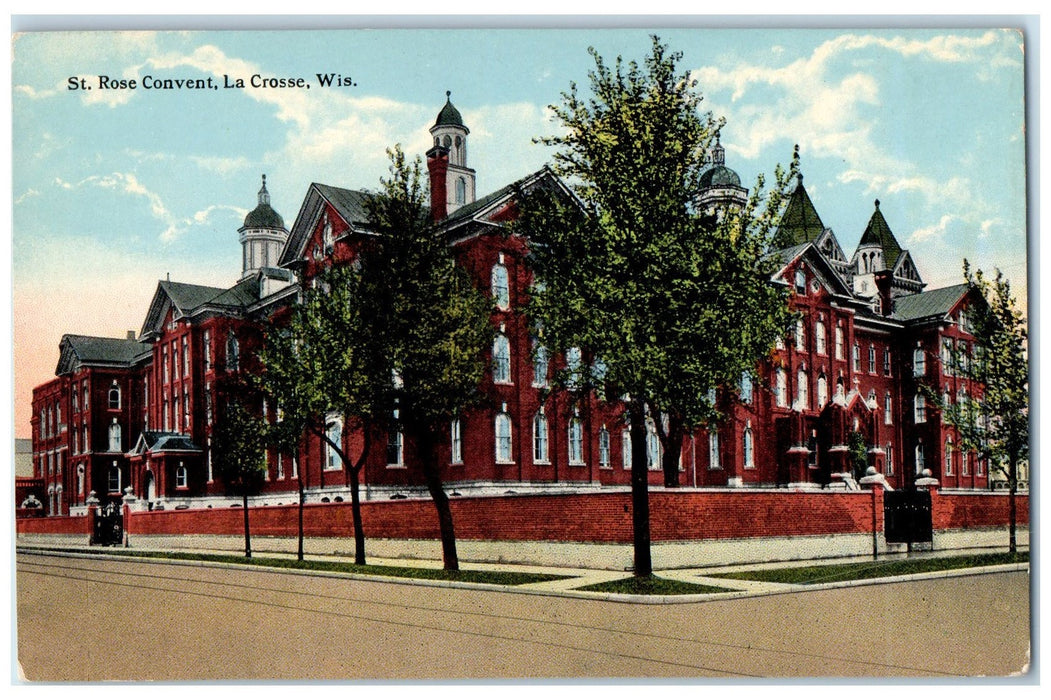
(113, 190)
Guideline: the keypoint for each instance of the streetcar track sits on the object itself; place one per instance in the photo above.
(434, 609)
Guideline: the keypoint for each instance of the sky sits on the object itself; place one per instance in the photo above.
(115, 189)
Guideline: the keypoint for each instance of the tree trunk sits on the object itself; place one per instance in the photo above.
(1012, 482)
(248, 537)
(640, 496)
(432, 473)
(672, 444)
(355, 510)
(302, 497)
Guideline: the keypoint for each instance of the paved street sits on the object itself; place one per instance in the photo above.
(86, 619)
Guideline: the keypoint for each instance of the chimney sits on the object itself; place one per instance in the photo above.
(883, 279)
(438, 166)
(132, 335)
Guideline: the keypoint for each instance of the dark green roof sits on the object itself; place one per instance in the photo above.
(264, 216)
(156, 441)
(936, 302)
(187, 297)
(350, 204)
(468, 211)
(91, 349)
(449, 116)
(800, 222)
(720, 176)
(879, 233)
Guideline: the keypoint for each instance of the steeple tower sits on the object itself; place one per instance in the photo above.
(452, 182)
(263, 235)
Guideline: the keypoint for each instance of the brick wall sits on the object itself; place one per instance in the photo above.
(605, 517)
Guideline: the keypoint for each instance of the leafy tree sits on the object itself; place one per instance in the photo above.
(239, 439)
(328, 367)
(434, 325)
(993, 419)
(857, 453)
(674, 303)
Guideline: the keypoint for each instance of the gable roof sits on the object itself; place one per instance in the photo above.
(480, 208)
(800, 223)
(878, 233)
(156, 441)
(186, 299)
(934, 303)
(818, 263)
(349, 205)
(77, 350)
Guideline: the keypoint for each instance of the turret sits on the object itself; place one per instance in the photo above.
(263, 236)
(452, 182)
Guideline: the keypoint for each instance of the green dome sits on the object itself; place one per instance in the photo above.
(264, 216)
(449, 116)
(720, 176)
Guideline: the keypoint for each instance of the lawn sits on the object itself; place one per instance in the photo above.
(503, 578)
(651, 585)
(830, 573)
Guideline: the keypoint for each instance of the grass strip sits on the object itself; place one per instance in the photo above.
(503, 578)
(832, 573)
(651, 585)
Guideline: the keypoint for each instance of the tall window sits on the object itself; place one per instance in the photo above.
(920, 409)
(872, 359)
(819, 338)
(207, 349)
(948, 457)
(501, 288)
(185, 356)
(180, 477)
(781, 387)
(573, 364)
(576, 441)
(539, 364)
(890, 459)
(747, 388)
(503, 437)
(888, 413)
(233, 354)
(603, 448)
(800, 335)
(165, 370)
(113, 482)
(625, 447)
(800, 282)
(73, 397)
(501, 359)
(114, 437)
(186, 409)
(919, 362)
(395, 448)
(653, 446)
(802, 389)
(965, 463)
(839, 343)
(748, 447)
(461, 190)
(919, 458)
(947, 347)
(857, 357)
(886, 361)
(540, 454)
(714, 460)
(456, 441)
(85, 395)
(335, 434)
(822, 391)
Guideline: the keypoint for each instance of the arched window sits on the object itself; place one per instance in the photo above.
(890, 459)
(839, 343)
(919, 362)
(748, 447)
(461, 190)
(395, 444)
(576, 441)
(334, 431)
(746, 388)
(500, 287)
(714, 458)
(920, 408)
(822, 391)
(503, 437)
(114, 437)
(888, 413)
(181, 477)
(501, 359)
(113, 481)
(232, 354)
(919, 458)
(872, 359)
(819, 338)
(857, 357)
(540, 454)
(948, 457)
(886, 361)
(781, 387)
(603, 448)
(653, 446)
(802, 389)
(540, 364)
(456, 441)
(800, 335)
(625, 446)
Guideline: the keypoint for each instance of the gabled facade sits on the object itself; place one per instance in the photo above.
(138, 413)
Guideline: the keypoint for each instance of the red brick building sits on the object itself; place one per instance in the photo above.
(138, 412)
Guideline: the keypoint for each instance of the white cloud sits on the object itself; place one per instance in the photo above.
(221, 165)
(28, 194)
(202, 217)
(935, 231)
